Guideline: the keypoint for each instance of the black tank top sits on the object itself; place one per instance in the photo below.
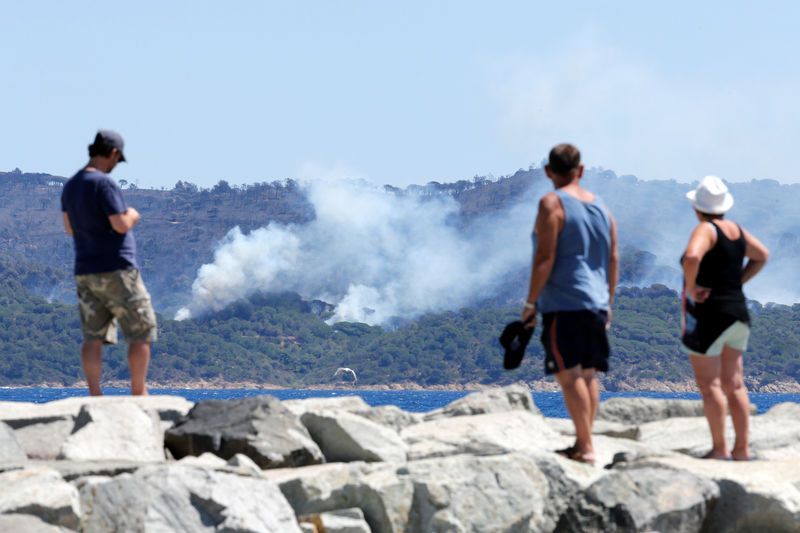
(720, 270)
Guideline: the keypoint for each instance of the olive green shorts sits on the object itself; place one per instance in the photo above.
(108, 298)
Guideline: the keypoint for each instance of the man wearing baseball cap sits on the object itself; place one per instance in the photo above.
(110, 289)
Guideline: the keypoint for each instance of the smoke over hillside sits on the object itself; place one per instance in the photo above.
(374, 254)
(378, 255)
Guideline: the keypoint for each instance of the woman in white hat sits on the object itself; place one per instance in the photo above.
(713, 275)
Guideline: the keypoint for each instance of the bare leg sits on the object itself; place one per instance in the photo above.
(577, 399)
(738, 402)
(92, 361)
(590, 378)
(707, 376)
(138, 359)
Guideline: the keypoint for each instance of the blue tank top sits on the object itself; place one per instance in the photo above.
(579, 279)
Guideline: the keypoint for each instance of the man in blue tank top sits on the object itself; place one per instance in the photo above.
(574, 274)
(110, 290)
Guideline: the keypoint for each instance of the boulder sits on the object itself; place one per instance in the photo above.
(486, 434)
(511, 398)
(335, 403)
(638, 410)
(776, 433)
(179, 498)
(383, 493)
(207, 459)
(114, 430)
(242, 462)
(25, 523)
(258, 426)
(391, 417)
(40, 491)
(498, 493)
(43, 428)
(600, 427)
(788, 410)
(339, 521)
(345, 437)
(71, 470)
(643, 498)
(10, 449)
(754, 495)
(19, 414)
(43, 440)
(685, 435)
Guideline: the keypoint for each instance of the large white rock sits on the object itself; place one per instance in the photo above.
(25, 523)
(335, 403)
(754, 495)
(42, 492)
(339, 521)
(643, 498)
(29, 412)
(115, 430)
(168, 408)
(42, 429)
(177, 498)
(43, 440)
(486, 434)
(639, 410)
(775, 434)
(344, 436)
(511, 398)
(689, 435)
(600, 427)
(487, 494)
(378, 489)
(391, 416)
(10, 448)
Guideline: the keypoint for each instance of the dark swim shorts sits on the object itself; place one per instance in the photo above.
(572, 338)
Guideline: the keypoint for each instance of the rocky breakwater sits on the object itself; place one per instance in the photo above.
(484, 463)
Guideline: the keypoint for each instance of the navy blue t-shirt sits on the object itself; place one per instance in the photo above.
(89, 198)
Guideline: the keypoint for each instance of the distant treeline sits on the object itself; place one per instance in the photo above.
(281, 339)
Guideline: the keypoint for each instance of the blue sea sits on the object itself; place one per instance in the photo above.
(549, 403)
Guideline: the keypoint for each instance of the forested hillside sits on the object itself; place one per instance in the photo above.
(280, 339)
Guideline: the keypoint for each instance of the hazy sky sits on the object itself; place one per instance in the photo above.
(402, 92)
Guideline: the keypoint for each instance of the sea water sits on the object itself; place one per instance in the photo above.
(549, 403)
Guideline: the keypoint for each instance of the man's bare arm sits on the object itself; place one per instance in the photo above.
(613, 268)
(67, 225)
(124, 222)
(547, 228)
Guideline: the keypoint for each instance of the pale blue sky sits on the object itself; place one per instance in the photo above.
(400, 93)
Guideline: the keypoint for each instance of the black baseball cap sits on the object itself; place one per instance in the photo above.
(515, 338)
(110, 139)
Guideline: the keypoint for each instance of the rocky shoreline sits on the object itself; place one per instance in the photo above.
(484, 463)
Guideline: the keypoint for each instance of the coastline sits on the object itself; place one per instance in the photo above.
(543, 385)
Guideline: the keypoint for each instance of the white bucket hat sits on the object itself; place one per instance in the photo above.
(711, 196)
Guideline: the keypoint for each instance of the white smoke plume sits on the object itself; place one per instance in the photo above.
(374, 254)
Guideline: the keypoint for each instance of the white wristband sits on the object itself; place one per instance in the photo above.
(529, 305)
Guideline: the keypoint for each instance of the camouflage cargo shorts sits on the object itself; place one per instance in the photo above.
(109, 298)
